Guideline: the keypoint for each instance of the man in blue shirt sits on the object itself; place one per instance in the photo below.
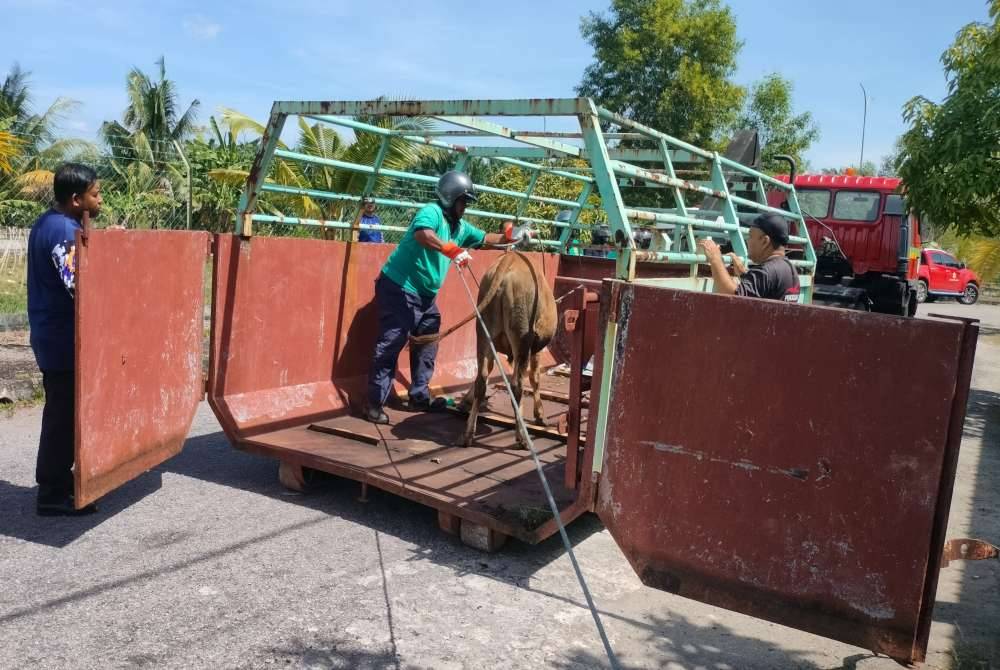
(409, 283)
(368, 217)
(51, 292)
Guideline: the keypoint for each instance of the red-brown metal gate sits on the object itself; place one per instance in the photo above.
(139, 335)
(792, 463)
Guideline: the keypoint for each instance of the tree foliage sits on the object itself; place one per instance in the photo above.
(666, 64)
(768, 110)
(950, 155)
(514, 178)
(868, 169)
(153, 110)
(31, 148)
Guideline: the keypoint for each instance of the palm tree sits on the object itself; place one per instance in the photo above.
(10, 149)
(153, 111)
(33, 148)
(323, 141)
(141, 191)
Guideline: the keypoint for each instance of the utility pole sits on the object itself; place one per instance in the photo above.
(187, 168)
(864, 120)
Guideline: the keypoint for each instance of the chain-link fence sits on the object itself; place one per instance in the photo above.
(145, 184)
(13, 270)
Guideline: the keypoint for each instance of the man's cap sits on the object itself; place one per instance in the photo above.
(774, 226)
(367, 199)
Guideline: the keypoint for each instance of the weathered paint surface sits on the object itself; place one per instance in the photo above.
(139, 333)
(745, 470)
(295, 346)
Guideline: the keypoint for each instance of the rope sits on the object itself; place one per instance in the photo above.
(569, 293)
(612, 659)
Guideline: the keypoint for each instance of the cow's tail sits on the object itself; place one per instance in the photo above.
(424, 340)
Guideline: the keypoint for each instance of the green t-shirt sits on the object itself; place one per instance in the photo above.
(418, 269)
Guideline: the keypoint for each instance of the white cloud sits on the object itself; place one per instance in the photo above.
(201, 27)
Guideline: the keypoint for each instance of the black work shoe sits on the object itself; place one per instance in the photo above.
(62, 506)
(429, 405)
(376, 415)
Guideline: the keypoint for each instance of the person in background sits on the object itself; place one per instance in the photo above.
(772, 277)
(368, 217)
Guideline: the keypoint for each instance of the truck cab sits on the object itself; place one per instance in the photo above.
(867, 244)
(941, 275)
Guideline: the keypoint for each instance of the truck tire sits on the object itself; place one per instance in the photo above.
(922, 292)
(970, 295)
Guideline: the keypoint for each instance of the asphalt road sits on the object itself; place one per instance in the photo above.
(207, 562)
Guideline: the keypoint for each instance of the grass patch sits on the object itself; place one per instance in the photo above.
(9, 409)
(13, 286)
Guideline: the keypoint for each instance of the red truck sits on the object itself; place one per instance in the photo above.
(942, 275)
(867, 244)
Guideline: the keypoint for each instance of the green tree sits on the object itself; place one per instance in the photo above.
(666, 64)
(868, 169)
(34, 149)
(139, 190)
(322, 141)
(142, 171)
(950, 155)
(10, 149)
(514, 178)
(214, 201)
(153, 110)
(768, 110)
(889, 165)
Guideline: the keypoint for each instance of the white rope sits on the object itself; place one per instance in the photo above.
(522, 427)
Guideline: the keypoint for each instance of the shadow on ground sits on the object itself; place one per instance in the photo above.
(19, 519)
(976, 615)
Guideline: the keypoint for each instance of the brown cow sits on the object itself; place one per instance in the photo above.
(520, 313)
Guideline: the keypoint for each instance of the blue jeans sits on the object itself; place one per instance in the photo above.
(401, 314)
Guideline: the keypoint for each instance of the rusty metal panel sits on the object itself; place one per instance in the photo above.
(792, 463)
(139, 332)
(294, 323)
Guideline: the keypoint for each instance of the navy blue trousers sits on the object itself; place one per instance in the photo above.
(54, 469)
(401, 314)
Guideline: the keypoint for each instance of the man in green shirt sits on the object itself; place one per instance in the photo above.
(406, 289)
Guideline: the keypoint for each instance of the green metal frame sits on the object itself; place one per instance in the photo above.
(608, 168)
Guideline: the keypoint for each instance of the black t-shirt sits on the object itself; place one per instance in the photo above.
(774, 279)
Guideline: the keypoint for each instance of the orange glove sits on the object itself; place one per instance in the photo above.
(457, 254)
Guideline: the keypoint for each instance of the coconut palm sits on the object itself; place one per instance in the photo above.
(983, 256)
(36, 149)
(140, 190)
(152, 110)
(322, 141)
(10, 149)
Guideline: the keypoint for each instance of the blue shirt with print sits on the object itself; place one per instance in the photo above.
(51, 288)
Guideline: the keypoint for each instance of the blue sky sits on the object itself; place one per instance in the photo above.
(245, 55)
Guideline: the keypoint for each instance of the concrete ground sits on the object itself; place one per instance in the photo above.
(207, 562)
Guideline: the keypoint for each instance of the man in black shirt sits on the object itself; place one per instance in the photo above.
(772, 278)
